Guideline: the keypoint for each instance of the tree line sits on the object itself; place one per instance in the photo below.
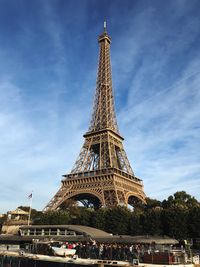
(178, 217)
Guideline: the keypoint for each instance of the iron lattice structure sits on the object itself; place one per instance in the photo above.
(102, 175)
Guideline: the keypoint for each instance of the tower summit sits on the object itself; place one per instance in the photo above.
(103, 116)
(102, 175)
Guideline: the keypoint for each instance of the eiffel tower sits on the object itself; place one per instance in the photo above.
(102, 175)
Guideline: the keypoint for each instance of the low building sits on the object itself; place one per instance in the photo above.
(17, 215)
(13, 220)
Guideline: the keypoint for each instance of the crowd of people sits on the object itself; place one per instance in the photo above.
(104, 251)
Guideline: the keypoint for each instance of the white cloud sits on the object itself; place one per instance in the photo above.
(32, 156)
(163, 136)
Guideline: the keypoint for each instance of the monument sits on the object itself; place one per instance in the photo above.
(102, 175)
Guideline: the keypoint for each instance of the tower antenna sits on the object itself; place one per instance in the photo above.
(104, 26)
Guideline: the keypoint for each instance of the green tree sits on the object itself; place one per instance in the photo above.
(174, 222)
(180, 199)
(152, 203)
(117, 220)
(135, 226)
(54, 217)
(151, 222)
(84, 216)
(194, 222)
(99, 219)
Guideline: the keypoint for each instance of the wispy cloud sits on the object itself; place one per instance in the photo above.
(157, 86)
(31, 155)
(163, 136)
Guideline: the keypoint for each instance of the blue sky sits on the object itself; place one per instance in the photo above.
(48, 65)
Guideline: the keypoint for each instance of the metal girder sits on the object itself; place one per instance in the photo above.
(102, 169)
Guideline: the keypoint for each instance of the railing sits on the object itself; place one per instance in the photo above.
(102, 172)
(47, 232)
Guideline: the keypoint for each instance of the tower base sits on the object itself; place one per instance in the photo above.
(101, 188)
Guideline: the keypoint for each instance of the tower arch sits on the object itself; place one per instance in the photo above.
(132, 199)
